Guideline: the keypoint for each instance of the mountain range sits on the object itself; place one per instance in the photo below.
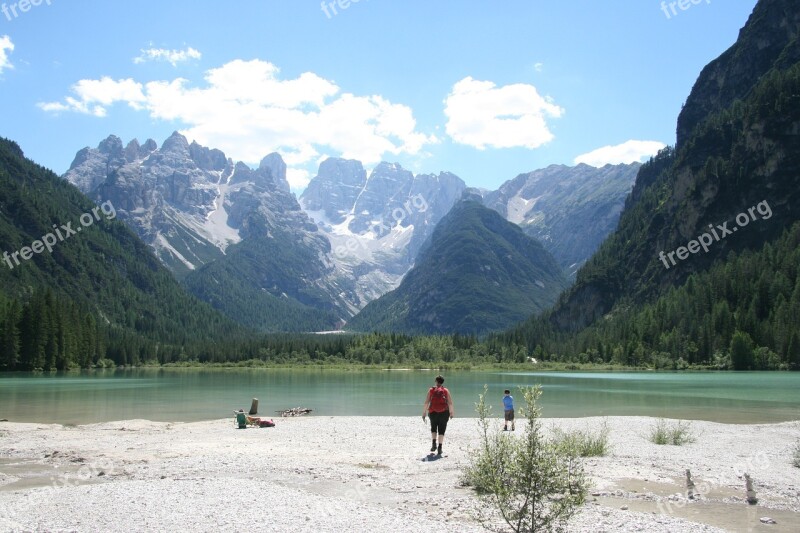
(236, 236)
(239, 239)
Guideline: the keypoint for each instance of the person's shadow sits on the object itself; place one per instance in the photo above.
(431, 457)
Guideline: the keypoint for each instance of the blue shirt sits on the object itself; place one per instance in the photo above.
(508, 402)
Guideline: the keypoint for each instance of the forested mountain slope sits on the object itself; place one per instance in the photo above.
(729, 187)
(98, 292)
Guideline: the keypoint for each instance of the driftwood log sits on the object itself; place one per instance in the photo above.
(295, 411)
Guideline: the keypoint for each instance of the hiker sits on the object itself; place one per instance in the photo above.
(439, 407)
(508, 407)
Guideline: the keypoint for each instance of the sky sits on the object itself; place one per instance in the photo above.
(484, 89)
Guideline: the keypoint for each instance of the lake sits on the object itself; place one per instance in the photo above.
(204, 394)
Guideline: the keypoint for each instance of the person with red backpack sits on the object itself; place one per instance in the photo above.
(439, 407)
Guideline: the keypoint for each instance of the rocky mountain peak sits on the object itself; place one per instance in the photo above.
(768, 40)
(471, 194)
(208, 159)
(275, 166)
(274, 162)
(176, 144)
(111, 146)
(132, 150)
(335, 188)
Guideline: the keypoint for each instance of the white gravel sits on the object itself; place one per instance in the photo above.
(368, 474)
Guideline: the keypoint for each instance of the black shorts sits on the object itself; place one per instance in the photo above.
(439, 422)
(509, 415)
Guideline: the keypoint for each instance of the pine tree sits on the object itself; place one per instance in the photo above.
(9, 343)
(741, 351)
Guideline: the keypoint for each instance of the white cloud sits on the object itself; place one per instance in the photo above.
(95, 96)
(480, 114)
(246, 109)
(298, 178)
(6, 47)
(170, 56)
(627, 152)
(538, 67)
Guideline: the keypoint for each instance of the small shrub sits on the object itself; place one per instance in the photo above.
(677, 433)
(528, 482)
(583, 443)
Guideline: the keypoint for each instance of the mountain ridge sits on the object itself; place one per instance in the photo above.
(570, 210)
(477, 273)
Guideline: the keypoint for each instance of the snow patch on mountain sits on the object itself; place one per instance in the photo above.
(161, 243)
(216, 227)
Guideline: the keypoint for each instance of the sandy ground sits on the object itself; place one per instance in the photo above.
(368, 474)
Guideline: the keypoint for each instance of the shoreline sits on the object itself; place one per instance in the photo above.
(465, 366)
(344, 473)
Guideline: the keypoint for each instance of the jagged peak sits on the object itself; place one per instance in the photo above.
(207, 158)
(389, 167)
(111, 145)
(275, 164)
(339, 162)
(175, 143)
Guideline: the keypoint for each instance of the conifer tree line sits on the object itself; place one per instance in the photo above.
(741, 314)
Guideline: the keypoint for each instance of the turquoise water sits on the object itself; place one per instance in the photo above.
(198, 394)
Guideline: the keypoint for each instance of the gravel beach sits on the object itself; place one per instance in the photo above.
(370, 474)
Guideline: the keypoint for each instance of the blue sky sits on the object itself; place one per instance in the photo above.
(484, 89)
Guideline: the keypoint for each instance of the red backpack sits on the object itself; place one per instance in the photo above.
(438, 399)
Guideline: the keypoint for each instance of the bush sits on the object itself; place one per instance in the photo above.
(583, 443)
(677, 434)
(722, 361)
(532, 483)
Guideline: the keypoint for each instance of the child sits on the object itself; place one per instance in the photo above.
(508, 406)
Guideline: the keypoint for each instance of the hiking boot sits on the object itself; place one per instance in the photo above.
(433, 446)
(439, 451)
